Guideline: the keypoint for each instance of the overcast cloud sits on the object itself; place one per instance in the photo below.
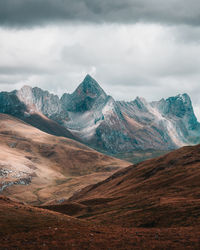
(148, 48)
(37, 12)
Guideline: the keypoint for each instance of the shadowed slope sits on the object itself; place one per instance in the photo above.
(47, 125)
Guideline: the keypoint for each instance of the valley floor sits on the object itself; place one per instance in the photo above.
(138, 156)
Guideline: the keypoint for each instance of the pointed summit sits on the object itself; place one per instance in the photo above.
(89, 87)
(26, 87)
(141, 103)
(25, 95)
(88, 77)
(88, 95)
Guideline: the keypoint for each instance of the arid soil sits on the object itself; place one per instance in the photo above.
(151, 205)
(26, 227)
(163, 192)
(36, 167)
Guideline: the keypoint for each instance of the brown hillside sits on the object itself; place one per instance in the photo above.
(163, 192)
(36, 167)
(47, 125)
(26, 227)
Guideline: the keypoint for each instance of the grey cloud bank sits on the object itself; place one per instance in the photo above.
(148, 48)
(28, 13)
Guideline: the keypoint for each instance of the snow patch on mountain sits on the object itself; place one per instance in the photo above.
(114, 126)
(84, 124)
(167, 124)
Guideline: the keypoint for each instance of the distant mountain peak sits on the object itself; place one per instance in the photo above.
(25, 87)
(89, 87)
(88, 77)
(25, 90)
(25, 94)
(185, 97)
(141, 99)
(141, 103)
(180, 101)
(87, 95)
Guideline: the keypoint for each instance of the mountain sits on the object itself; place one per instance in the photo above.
(96, 119)
(36, 107)
(166, 124)
(37, 167)
(89, 95)
(162, 192)
(113, 126)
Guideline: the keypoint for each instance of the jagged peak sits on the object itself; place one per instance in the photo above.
(89, 80)
(25, 92)
(87, 95)
(89, 86)
(183, 97)
(88, 77)
(141, 99)
(141, 103)
(26, 87)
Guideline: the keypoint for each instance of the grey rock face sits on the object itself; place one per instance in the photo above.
(168, 124)
(99, 121)
(10, 104)
(38, 100)
(88, 95)
(125, 126)
(29, 103)
(181, 107)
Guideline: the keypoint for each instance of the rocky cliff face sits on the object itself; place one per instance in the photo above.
(88, 107)
(180, 107)
(35, 106)
(87, 96)
(10, 104)
(38, 100)
(98, 120)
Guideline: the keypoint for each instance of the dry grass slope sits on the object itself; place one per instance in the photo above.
(36, 167)
(26, 227)
(163, 192)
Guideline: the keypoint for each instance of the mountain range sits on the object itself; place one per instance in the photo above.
(79, 198)
(91, 116)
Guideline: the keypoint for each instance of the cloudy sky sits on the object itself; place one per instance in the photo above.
(148, 48)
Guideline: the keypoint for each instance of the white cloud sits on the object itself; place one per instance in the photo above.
(148, 60)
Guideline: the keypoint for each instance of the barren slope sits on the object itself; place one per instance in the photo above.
(163, 192)
(37, 167)
(26, 227)
(42, 122)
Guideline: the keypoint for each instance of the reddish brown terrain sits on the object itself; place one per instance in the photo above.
(26, 227)
(36, 167)
(151, 205)
(162, 192)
